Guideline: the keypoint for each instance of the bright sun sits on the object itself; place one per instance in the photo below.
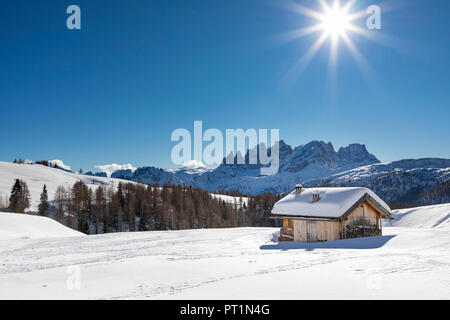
(335, 22)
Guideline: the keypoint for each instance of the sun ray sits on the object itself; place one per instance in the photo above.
(309, 55)
(356, 15)
(333, 52)
(358, 57)
(383, 39)
(348, 5)
(315, 47)
(305, 11)
(296, 34)
(304, 61)
(325, 7)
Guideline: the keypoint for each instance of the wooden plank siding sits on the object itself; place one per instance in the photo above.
(300, 230)
(366, 211)
(329, 230)
(326, 230)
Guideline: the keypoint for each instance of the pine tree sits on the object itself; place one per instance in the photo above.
(20, 197)
(44, 205)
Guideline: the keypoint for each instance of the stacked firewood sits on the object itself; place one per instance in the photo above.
(357, 231)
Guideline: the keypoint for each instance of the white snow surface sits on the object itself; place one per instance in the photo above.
(410, 262)
(24, 226)
(333, 203)
(422, 217)
(231, 199)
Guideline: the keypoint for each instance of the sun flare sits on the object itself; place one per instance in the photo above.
(334, 21)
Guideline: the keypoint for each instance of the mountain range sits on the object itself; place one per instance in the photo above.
(415, 181)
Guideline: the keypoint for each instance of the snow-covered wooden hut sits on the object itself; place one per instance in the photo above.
(325, 214)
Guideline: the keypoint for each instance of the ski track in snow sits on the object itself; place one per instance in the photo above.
(159, 265)
(411, 260)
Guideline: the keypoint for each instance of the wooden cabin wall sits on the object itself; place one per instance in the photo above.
(326, 230)
(370, 214)
(365, 215)
(300, 230)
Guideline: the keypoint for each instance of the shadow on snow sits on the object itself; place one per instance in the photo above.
(357, 243)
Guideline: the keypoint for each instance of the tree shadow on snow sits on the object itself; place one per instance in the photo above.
(358, 243)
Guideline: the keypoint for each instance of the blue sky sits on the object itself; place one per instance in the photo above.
(115, 90)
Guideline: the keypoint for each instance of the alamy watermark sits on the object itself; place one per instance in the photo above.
(241, 147)
(373, 22)
(73, 22)
(73, 281)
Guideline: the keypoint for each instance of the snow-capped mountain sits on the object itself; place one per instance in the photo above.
(314, 160)
(315, 164)
(148, 175)
(399, 181)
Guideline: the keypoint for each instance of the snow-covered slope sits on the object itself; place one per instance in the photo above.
(406, 263)
(230, 199)
(437, 216)
(24, 226)
(37, 175)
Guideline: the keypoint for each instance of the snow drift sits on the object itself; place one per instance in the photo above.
(24, 226)
(437, 216)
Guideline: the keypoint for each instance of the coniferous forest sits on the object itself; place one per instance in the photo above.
(139, 207)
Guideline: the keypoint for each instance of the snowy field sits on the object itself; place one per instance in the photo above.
(409, 262)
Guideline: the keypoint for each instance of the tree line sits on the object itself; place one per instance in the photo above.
(138, 207)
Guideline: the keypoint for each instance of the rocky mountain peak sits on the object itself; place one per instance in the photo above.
(355, 153)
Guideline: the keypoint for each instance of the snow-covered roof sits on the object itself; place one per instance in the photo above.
(334, 202)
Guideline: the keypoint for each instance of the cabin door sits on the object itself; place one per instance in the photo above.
(311, 231)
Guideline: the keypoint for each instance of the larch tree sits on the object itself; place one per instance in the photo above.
(80, 205)
(60, 201)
